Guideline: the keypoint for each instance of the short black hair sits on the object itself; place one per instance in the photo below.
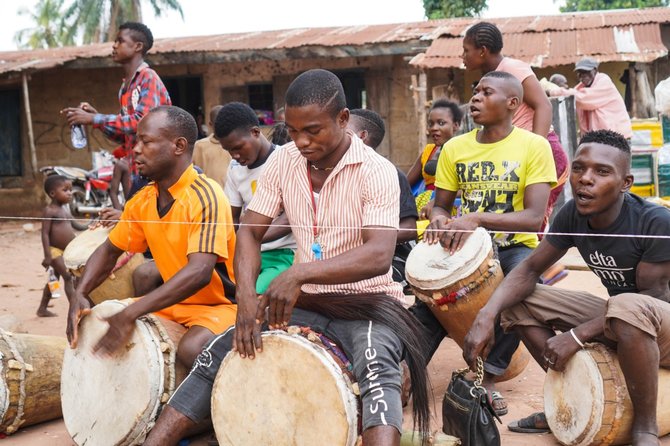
(279, 134)
(485, 34)
(140, 33)
(513, 81)
(52, 182)
(320, 87)
(456, 112)
(234, 116)
(373, 123)
(180, 122)
(607, 137)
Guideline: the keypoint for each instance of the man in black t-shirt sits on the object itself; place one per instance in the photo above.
(369, 126)
(624, 241)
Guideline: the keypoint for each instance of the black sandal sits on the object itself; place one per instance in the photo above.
(532, 424)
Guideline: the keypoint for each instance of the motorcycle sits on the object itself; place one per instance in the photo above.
(90, 188)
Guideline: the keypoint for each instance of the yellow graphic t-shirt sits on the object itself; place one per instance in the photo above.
(493, 177)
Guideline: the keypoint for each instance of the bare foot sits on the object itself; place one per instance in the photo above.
(46, 313)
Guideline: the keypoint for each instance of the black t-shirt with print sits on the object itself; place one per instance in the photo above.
(614, 259)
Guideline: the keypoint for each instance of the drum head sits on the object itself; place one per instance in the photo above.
(291, 393)
(431, 267)
(111, 400)
(82, 246)
(573, 400)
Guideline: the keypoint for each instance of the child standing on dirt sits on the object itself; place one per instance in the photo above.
(57, 232)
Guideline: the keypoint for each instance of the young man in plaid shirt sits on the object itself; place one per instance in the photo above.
(141, 90)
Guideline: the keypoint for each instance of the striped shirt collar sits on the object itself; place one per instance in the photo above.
(185, 180)
(355, 154)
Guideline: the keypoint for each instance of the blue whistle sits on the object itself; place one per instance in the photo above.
(316, 249)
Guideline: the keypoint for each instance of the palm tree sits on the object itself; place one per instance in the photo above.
(48, 31)
(98, 20)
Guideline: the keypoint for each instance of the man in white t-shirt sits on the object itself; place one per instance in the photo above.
(238, 130)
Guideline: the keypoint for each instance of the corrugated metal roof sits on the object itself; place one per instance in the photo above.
(607, 36)
(252, 41)
(543, 40)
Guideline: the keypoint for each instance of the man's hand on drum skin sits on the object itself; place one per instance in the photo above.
(280, 298)
(479, 340)
(434, 229)
(76, 115)
(118, 334)
(558, 350)
(108, 218)
(79, 307)
(248, 326)
(458, 230)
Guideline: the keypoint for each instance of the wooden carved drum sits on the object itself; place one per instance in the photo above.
(115, 401)
(588, 403)
(30, 371)
(119, 284)
(294, 392)
(456, 287)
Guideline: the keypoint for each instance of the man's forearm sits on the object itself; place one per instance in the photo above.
(247, 263)
(518, 285)
(525, 220)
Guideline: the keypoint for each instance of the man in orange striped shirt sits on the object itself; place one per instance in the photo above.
(186, 221)
(342, 201)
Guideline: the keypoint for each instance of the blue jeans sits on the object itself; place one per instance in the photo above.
(505, 343)
(374, 350)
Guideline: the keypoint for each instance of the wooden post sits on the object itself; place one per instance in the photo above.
(422, 110)
(29, 120)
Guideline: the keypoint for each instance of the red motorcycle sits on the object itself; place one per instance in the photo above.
(90, 190)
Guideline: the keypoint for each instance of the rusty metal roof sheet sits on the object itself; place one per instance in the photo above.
(542, 40)
(623, 35)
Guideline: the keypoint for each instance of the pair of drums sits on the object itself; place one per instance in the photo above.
(294, 390)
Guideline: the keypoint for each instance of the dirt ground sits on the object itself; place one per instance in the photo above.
(22, 279)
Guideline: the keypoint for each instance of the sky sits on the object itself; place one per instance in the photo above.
(206, 17)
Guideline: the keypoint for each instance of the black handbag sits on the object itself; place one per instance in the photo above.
(467, 412)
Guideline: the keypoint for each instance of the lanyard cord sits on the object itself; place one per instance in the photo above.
(311, 194)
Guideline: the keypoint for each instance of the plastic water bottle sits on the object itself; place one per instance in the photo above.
(78, 136)
(664, 171)
(54, 283)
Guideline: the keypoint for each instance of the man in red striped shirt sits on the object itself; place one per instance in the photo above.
(342, 202)
(141, 90)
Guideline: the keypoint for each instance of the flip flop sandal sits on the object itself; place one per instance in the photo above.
(497, 396)
(529, 424)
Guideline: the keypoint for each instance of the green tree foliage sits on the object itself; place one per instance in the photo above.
(85, 21)
(48, 31)
(441, 9)
(593, 5)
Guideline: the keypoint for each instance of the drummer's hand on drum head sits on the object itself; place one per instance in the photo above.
(79, 307)
(479, 340)
(558, 350)
(248, 326)
(118, 334)
(433, 230)
(458, 231)
(280, 298)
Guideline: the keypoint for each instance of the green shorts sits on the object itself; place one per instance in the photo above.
(273, 263)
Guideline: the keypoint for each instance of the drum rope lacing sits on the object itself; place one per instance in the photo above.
(22, 367)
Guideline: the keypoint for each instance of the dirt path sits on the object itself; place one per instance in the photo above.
(22, 279)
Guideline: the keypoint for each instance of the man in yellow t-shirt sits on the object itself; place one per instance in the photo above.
(505, 175)
(186, 221)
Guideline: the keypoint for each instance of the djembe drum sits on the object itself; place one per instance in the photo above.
(115, 401)
(455, 287)
(120, 281)
(588, 403)
(30, 369)
(297, 391)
